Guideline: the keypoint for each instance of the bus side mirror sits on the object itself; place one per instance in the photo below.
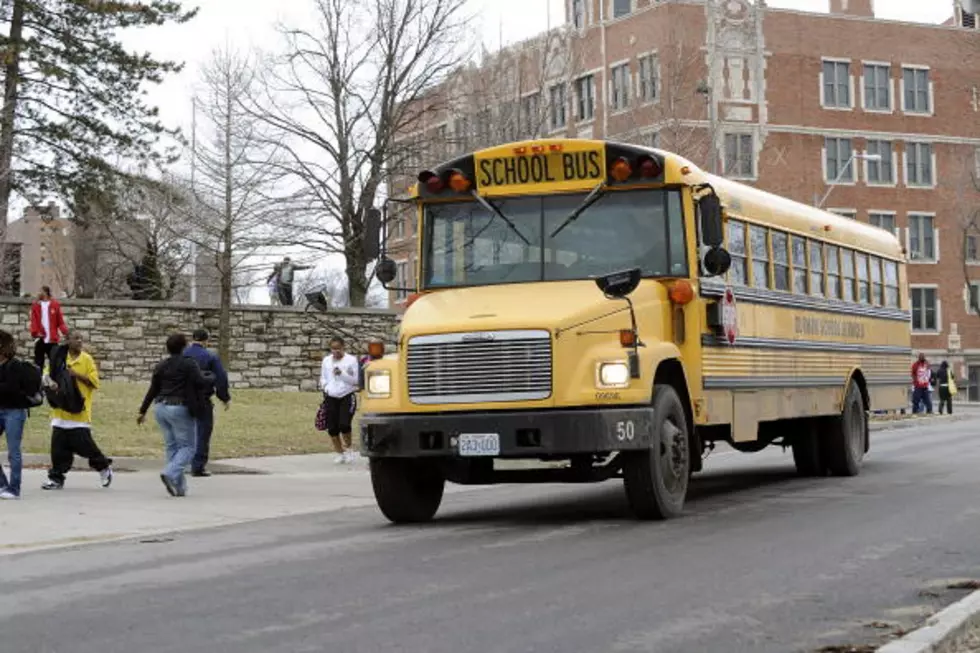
(712, 228)
(386, 271)
(619, 285)
(371, 234)
(716, 261)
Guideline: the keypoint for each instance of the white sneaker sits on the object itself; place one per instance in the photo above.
(7, 495)
(106, 476)
(340, 459)
(353, 456)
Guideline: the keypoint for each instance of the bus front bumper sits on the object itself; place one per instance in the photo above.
(521, 434)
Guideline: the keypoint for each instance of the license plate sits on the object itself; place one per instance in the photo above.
(479, 444)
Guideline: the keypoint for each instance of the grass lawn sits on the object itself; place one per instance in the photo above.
(259, 423)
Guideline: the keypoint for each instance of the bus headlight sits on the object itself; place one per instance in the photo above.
(613, 375)
(379, 384)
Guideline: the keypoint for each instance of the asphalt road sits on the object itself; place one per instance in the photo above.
(763, 562)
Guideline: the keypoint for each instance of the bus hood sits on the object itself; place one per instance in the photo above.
(553, 305)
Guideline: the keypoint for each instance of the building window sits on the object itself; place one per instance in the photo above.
(620, 86)
(918, 164)
(585, 96)
(530, 118)
(483, 127)
(880, 172)
(780, 255)
(847, 273)
(970, 252)
(891, 284)
(967, 19)
(621, 7)
(578, 13)
(799, 265)
(877, 87)
(838, 161)
(440, 138)
(922, 238)
(461, 133)
(739, 156)
(397, 227)
(884, 221)
(649, 78)
(738, 273)
(759, 242)
(916, 90)
(837, 84)
(401, 280)
(558, 104)
(973, 298)
(925, 309)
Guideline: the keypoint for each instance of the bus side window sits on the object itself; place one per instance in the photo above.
(864, 288)
(876, 287)
(833, 271)
(780, 256)
(847, 272)
(816, 268)
(891, 284)
(799, 265)
(759, 241)
(737, 274)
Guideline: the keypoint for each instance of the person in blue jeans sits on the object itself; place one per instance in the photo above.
(18, 381)
(177, 391)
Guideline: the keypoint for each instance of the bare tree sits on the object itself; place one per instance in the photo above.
(338, 97)
(968, 199)
(236, 164)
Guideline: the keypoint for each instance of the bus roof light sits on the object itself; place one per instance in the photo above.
(458, 181)
(520, 151)
(621, 169)
(434, 184)
(537, 149)
(555, 147)
(649, 168)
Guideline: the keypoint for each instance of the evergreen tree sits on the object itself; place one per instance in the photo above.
(74, 96)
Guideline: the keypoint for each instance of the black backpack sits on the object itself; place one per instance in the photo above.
(29, 381)
(66, 396)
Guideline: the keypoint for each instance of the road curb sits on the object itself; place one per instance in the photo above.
(123, 463)
(912, 422)
(941, 632)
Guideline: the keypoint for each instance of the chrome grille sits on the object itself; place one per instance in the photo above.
(481, 366)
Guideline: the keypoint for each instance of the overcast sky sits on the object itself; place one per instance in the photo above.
(252, 22)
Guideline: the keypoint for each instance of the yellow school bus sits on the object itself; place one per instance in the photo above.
(612, 311)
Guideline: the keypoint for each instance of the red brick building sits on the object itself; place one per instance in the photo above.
(876, 119)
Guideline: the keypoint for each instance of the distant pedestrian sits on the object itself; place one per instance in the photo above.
(71, 380)
(287, 274)
(339, 382)
(922, 378)
(214, 372)
(177, 391)
(947, 387)
(272, 282)
(20, 383)
(47, 325)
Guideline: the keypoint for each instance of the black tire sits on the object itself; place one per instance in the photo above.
(407, 491)
(846, 436)
(807, 450)
(656, 480)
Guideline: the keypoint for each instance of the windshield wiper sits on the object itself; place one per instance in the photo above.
(589, 200)
(493, 209)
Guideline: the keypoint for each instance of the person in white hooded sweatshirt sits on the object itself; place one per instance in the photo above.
(339, 382)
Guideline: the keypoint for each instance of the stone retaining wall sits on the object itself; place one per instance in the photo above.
(271, 347)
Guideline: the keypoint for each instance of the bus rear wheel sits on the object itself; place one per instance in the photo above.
(845, 442)
(656, 479)
(408, 491)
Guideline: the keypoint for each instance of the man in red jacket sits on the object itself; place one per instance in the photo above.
(47, 325)
(922, 380)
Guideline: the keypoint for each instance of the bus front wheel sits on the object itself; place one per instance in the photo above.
(407, 491)
(656, 479)
(844, 443)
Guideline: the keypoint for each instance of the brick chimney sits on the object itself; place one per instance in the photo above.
(863, 8)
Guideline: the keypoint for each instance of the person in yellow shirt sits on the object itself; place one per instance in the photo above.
(71, 433)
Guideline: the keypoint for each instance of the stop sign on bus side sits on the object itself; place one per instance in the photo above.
(729, 316)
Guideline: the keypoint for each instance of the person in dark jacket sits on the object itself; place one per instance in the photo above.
(177, 390)
(18, 381)
(946, 385)
(211, 366)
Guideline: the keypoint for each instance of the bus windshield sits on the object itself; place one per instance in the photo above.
(468, 245)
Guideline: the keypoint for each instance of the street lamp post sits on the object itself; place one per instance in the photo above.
(840, 175)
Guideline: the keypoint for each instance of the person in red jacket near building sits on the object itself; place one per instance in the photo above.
(47, 325)
(922, 380)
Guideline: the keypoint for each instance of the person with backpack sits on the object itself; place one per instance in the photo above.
(947, 387)
(20, 390)
(71, 381)
(214, 372)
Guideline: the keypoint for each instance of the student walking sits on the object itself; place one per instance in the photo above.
(922, 380)
(71, 381)
(47, 325)
(339, 382)
(947, 387)
(212, 369)
(177, 392)
(20, 383)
